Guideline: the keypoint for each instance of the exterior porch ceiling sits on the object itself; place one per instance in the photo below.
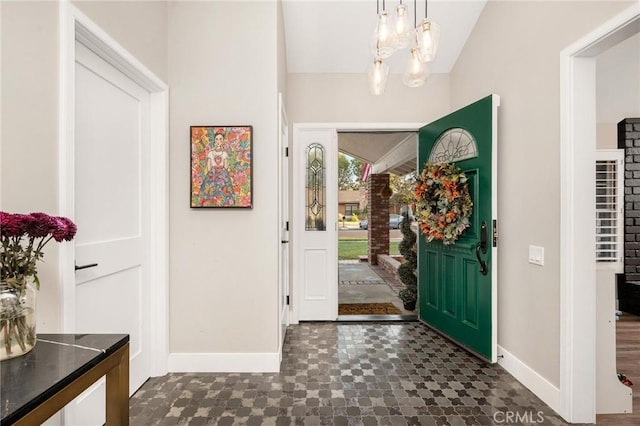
(387, 152)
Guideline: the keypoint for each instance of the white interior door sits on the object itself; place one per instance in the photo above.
(112, 214)
(284, 223)
(315, 210)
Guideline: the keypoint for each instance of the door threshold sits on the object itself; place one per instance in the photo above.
(350, 318)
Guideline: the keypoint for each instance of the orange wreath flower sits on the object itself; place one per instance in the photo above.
(443, 205)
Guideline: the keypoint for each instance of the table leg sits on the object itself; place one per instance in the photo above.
(118, 391)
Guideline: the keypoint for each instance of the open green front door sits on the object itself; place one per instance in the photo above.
(457, 282)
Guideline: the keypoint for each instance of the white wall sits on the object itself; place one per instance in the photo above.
(29, 167)
(282, 54)
(514, 51)
(140, 26)
(223, 71)
(606, 136)
(617, 89)
(223, 262)
(345, 98)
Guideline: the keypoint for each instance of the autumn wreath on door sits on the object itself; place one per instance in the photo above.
(443, 203)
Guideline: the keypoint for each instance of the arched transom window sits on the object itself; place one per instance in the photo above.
(453, 145)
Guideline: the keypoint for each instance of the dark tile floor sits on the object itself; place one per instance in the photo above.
(349, 374)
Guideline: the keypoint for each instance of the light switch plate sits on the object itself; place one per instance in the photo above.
(536, 255)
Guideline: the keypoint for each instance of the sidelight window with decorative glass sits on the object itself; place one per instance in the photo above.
(394, 33)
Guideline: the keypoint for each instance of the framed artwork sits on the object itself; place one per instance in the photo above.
(221, 166)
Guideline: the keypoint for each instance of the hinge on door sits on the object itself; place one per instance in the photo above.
(495, 233)
(286, 152)
(287, 300)
(287, 226)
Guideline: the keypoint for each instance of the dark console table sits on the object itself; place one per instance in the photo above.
(60, 367)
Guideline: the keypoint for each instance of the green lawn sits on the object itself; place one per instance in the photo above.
(352, 249)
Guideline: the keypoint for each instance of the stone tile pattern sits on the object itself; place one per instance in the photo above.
(348, 374)
(378, 216)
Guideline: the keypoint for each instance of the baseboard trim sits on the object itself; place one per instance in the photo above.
(541, 387)
(224, 362)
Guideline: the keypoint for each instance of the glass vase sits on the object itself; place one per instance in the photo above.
(17, 320)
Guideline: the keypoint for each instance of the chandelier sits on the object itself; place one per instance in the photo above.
(395, 33)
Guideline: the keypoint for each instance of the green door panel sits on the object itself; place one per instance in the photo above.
(450, 298)
(429, 261)
(454, 296)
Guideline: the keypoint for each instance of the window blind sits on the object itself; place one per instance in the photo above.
(609, 214)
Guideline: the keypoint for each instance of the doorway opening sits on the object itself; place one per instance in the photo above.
(617, 276)
(374, 198)
(628, 283)
(577, 397)
(315, 223)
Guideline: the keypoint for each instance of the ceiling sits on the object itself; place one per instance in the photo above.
(324, 36)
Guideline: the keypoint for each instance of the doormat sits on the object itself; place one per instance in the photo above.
(368, 309)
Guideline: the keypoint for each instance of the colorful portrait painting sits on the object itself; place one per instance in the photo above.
(221, 166)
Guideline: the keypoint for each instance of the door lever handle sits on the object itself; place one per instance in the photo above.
(482, 247)
(483, 264)
(90, 265)
(284, 241)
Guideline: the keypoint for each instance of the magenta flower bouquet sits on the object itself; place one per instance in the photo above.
(23, 238)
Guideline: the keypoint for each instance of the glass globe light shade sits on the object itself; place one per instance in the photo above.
(383, 42)
(402, 27)
(416, 72)
(428, 38)
(377, 75)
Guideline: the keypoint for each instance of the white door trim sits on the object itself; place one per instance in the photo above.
(283, 215)
(74, 25)
(577, 231)
(338, 127)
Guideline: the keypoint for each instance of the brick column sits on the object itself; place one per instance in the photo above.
(629, 139)
(378, 216)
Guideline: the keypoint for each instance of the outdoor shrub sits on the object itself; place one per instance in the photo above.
(407, 276)
(407, 247)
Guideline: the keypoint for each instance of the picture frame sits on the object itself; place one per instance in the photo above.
(221, 166)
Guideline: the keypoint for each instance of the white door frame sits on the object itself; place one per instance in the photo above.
(338, 127)
(74, 25)
(577, 230)
(283, 214)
